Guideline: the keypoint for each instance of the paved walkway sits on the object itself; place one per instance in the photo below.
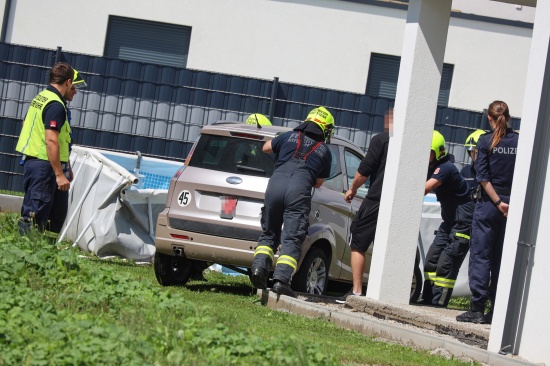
(413, 325)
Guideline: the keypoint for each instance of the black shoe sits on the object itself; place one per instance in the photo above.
(427, 301)
(343, 299)
(282, 288)
(488, 317)
(471, 317)
(258, 277)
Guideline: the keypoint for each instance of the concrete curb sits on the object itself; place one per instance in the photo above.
(374, 327)
(10, 203)
(437, 319)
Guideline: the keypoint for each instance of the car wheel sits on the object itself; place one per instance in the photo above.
(313, 274)
(416, 286)
(172, 270)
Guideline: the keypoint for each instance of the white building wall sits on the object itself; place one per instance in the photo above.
(322, 43)
(495, 8)
(485, 70)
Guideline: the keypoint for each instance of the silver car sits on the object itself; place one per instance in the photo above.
(214, 203)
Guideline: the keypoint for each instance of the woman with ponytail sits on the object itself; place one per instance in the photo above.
(495, 169)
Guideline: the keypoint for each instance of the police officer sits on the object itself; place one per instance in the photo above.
(494, 172)
(469, 171)
(45, 144)
(451, 242)
(303, 163)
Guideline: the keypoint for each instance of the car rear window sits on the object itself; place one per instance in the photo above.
(232, 155)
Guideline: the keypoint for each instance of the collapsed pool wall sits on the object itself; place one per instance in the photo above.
(108, 214)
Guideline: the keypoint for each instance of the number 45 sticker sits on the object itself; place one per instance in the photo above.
(184, 198)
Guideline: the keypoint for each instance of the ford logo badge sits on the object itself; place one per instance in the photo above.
(234, 180)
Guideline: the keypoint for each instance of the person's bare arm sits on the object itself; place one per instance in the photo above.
(52, 149)
(431, 184)
(267, 148)
(319, 182)
(493, 195)
(357, 182)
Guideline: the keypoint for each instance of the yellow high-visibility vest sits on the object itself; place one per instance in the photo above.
(32, 141)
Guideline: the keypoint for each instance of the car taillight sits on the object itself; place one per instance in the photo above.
(190, 153)
(177, 236)
(186, 162)
(178, 173)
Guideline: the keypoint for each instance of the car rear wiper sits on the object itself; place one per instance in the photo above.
(244, 167)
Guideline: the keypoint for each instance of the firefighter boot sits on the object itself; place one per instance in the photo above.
(258, 277)
(471, 317)
(261, 266)
(282, 288)
(427, 294)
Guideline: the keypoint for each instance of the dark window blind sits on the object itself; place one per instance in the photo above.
(383, 73)
(146, 41)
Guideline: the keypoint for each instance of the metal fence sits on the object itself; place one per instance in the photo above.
(159, 110)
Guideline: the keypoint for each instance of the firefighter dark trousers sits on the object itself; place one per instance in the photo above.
(287, 205)
(43, 205)
(488, 230)
(445, 256)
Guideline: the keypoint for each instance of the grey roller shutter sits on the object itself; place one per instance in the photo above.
(383, 73)
(445, 86)
(149, 42)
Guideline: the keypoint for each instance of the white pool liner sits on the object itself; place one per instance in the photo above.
(108, 215)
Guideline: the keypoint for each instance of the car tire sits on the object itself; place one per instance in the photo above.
(172, 270)
(416, 286)
(312, 277)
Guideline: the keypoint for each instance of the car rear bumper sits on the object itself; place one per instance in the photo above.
(205, 247)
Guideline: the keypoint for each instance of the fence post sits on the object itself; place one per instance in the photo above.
(273, 99)
(57, 55)
(484, 121)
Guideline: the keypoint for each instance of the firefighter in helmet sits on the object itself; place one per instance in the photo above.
(258, 119)
(452, 239)
(303, 162)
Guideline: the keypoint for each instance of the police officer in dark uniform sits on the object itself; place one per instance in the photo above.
(452, 239)
(495, 170)
(45, 141)
(303, 163)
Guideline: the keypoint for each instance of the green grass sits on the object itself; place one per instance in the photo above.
(59, 309)
(11, 193)
(460, 303)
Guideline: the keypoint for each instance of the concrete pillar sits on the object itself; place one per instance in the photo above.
(529, 216)
(408, 154)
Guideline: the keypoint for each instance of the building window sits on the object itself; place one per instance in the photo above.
(383, 72)
(146, 41)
